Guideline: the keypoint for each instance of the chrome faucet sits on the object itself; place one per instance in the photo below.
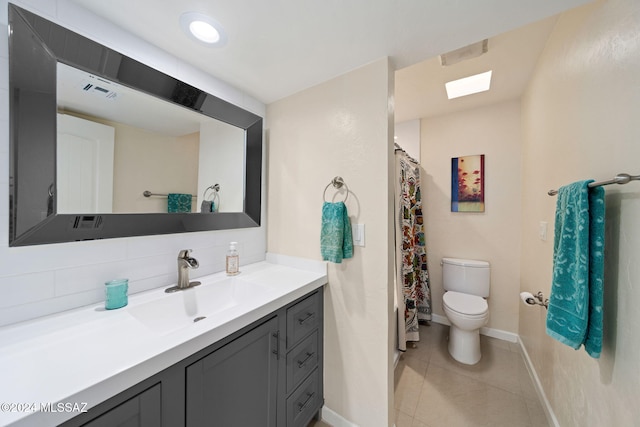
(185, 262)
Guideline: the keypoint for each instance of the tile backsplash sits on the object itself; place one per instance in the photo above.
(40, 280)
(45, 279)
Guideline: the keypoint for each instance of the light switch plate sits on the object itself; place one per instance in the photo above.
(358, 234)
(542, 230)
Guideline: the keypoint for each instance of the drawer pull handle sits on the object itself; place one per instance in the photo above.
(304, 362)
(301, 406)
(275, 351)
(309, 316)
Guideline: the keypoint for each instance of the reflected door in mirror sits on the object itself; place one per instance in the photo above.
(84, 169)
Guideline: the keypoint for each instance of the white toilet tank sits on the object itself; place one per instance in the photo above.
(467, 276)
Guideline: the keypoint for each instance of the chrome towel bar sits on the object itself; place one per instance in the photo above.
(621, 178)
(148, 193)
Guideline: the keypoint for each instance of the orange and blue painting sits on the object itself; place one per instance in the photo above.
(467, 184)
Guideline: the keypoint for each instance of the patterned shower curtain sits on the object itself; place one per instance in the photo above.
(412, 275)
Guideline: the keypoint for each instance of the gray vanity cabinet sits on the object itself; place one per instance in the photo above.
(268, 374)
(302, 388)
(236, 385)
(143, 410)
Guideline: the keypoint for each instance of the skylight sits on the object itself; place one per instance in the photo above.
(469, 85)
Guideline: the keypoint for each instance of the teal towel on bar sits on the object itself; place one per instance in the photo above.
(593, 340)
(575, 304)
(177, 202)
(336, 241)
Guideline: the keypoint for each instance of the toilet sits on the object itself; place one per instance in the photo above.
(466, 284)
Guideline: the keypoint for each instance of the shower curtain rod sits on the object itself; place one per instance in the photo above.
(621, 178)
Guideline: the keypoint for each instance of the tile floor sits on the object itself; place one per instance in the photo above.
(433, 390)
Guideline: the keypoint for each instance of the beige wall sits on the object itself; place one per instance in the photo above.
(580, 120)
(145, 160)
(341, 127)
(494, 131)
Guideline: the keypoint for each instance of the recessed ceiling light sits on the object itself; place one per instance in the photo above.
(202, 28)
(204, 32)
(469, 85)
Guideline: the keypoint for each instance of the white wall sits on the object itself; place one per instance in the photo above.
(342, 127)
(492, 235)
(39, 280)
(580, 120)
(222, 149)
(407, 136)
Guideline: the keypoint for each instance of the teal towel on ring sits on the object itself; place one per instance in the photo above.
(336, 241)
(178, 203)
(575, 305)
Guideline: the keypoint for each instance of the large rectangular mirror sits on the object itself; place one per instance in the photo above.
(104, 146)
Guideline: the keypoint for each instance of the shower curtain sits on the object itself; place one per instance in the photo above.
(412, 275)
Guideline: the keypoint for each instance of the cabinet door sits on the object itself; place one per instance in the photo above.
(236, 386)
(142, 410)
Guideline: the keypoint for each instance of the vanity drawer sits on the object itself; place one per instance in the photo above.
(304, 402)
(301, 361)
(303, 318)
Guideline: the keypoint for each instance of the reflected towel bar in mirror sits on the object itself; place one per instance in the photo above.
(148, 193)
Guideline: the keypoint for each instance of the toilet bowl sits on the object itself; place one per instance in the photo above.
(467, 314)
(466, 284)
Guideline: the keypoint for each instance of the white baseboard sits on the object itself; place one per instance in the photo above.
(490, 332)
(546, 405)
(440, 319)
(335, 419)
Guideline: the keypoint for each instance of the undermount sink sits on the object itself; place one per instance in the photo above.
(181, 309)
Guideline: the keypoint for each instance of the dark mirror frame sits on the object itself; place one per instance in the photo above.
(35, 47)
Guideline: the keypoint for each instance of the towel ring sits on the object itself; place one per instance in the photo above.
(216, 196)
(214, 187)
(337, 183)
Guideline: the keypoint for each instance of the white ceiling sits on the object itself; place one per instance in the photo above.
(278, 47)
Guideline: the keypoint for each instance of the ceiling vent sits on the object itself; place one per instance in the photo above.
(471, 51)
(99, 87)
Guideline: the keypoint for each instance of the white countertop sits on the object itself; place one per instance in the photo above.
(85, 356)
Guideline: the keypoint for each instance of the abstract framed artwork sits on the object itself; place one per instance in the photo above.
(467, 183)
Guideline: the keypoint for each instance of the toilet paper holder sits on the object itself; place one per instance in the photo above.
(538, 299)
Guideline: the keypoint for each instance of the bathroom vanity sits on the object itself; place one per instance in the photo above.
(252, 359)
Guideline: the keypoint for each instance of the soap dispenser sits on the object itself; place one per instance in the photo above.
(233, 260)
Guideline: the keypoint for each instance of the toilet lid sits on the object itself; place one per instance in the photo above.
(465, 303)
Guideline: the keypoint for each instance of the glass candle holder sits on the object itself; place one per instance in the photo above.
(116, 293)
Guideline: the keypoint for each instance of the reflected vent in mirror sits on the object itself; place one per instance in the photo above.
(92, 86)
(85, 222)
